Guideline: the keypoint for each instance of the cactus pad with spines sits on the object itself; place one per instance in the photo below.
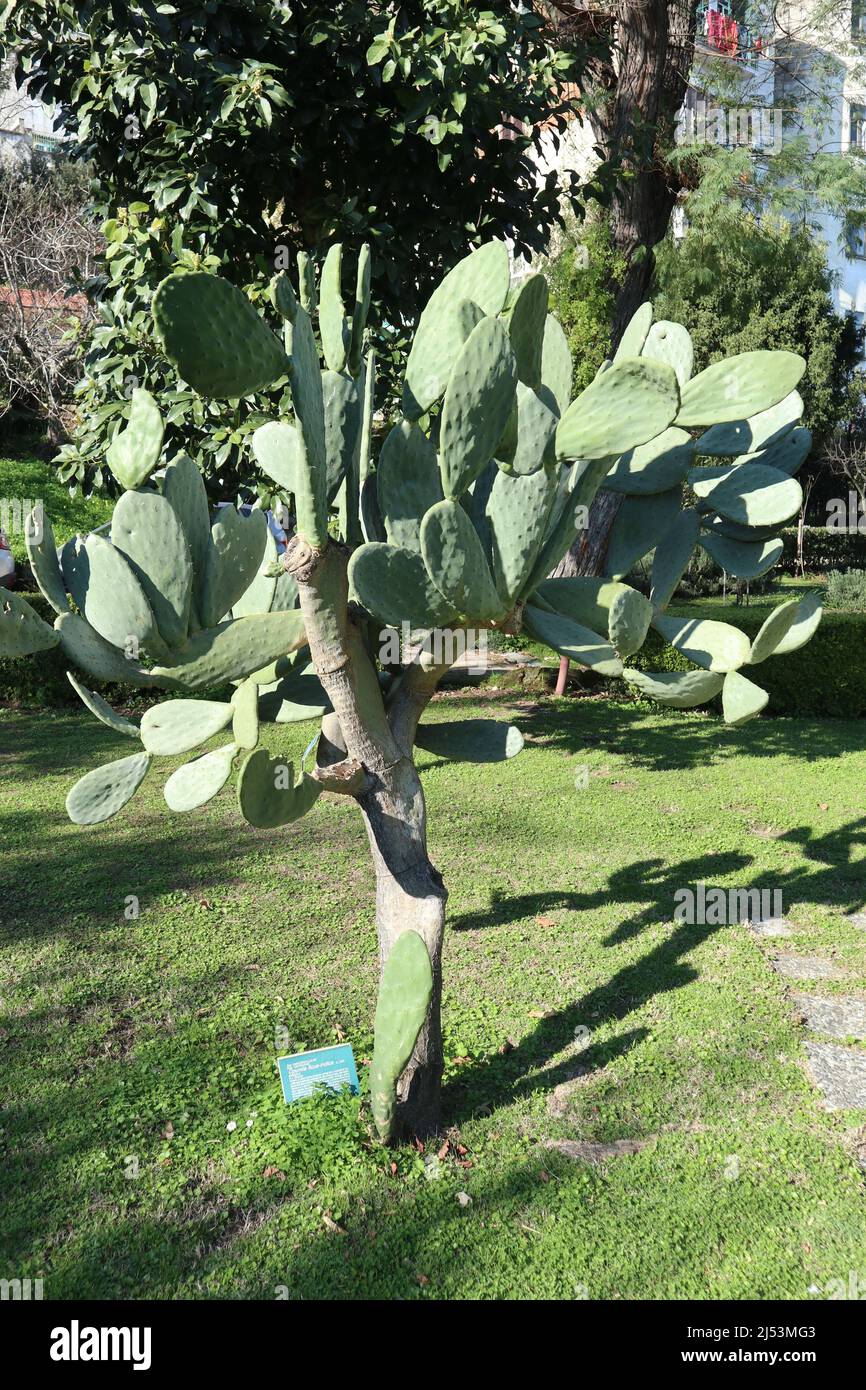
(100, 794)
(22, 631)
(405, 991)
(214, 336)
(198, 782)
(135, 450)
(626, 406)
(739, 387)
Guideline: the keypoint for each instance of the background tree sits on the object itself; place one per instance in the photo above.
(263, 128)
(45, 237)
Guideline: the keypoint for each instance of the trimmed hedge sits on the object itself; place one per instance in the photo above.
(824, 679)
(822, 550)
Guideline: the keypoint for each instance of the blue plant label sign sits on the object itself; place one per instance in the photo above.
(333, 1067)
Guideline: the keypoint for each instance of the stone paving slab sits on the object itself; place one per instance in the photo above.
(596, 1153)
(838, 1017)
(857, 919)
(839, 1073)
(806, 968)
(772, 926)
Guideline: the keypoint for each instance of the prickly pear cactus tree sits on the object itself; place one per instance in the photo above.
(477, 493)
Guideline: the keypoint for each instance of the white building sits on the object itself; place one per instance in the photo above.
(25, 122)
(772, 62)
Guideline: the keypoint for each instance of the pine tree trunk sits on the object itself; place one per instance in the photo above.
(639, 89)
(409, 893)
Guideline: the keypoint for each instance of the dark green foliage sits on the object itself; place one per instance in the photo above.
(580, 277)
(738, 286)
(232, 135)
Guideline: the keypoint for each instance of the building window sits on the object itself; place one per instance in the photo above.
(858, 19)
(856, 239)
(857, 127)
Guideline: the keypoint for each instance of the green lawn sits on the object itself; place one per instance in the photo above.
(32, 478)
(146, 1148)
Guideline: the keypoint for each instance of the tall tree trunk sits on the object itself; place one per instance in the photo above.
(372, 747)
(639, 89)
(409, 893)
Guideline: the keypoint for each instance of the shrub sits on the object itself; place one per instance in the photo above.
(846, 589)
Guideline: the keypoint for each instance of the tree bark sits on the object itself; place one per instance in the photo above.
(410, 893)
(639, 88)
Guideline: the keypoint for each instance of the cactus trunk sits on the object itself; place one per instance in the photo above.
(410, 895)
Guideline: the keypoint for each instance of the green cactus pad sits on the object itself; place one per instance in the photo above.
(679, 689)
(673, 553)
(198, 782)
(405, 991)
(557, 368)
(215, 338)
(628, 621)
(306, 285)
(572, 640)
(134, 452)
(183, 487)
(742, 700)
(804, 626)
(42, 554)
(361, 309)
(333, 325)
(237, 551)
(245, 715)
(750, 494)
(627, 405)
(481, 278)
(743, 559)
(258, 597)
(102, 709)
(583, 598)
(22, 631)
(297, 696)
(526, 319)
(407, 479)
(517, 512)
(579, 486)
(311, 476)
(372, 526)
(342, 410)
(639, 526)
(748, 436)
(285, 593)
(471, 740)
(394, 586)
(146, 531)
(176, 726)
(739, 387)
(276, 448)
(714, 646)
(455, 561)
(788, 454)
(232, 651)
(655, 466)
(635, 335)
(670, 342)
(267, 793)
(534, 435)
(478, 403)
(283, 296)
(100, 794)
(108, 593)
(84, 646)
(774, 631)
